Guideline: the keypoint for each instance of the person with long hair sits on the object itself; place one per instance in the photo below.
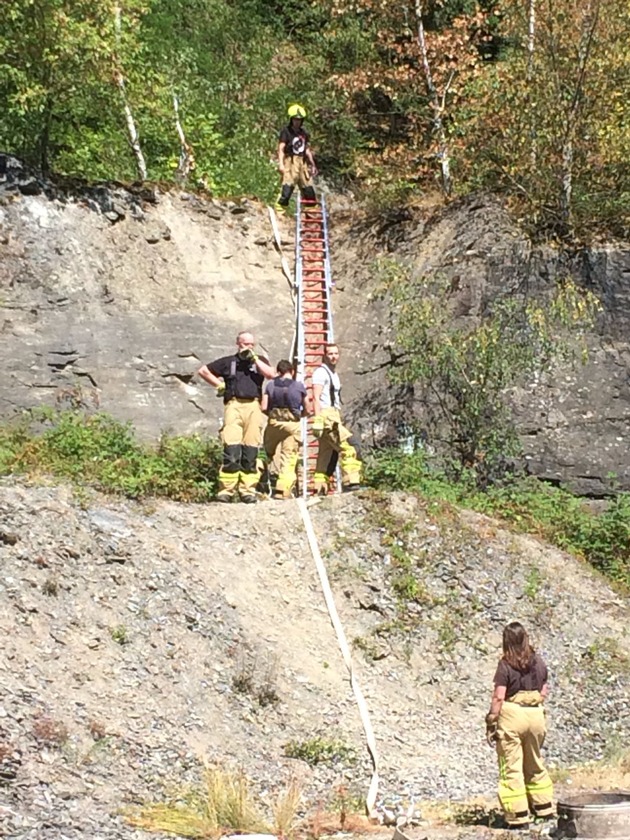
(516, 725)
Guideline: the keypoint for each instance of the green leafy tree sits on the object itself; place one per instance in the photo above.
(56, 65)
(551, 125)
(464, 371)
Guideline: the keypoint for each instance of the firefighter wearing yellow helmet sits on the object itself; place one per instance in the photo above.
(296, 163)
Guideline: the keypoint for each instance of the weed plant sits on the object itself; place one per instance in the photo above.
(527, 504)
(120, 635)
(223, 804)
(319, 750)
(99, 451)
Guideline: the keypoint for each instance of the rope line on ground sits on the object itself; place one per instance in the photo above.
(370, 802)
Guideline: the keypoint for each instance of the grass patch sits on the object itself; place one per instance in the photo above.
(223, 803)
(286, 808)
(476, 812)
(606, 655)
(99, 451)
(527, 505)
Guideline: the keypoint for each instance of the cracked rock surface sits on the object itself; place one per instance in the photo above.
(113, 300)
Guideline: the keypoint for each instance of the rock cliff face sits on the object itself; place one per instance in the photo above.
(113, 297)
(574, 424)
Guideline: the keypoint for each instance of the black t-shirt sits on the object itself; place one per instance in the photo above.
(295, 141)
(241, 376)
(532, 679)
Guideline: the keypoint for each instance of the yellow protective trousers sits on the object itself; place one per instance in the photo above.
(524, 783)
(296, 172)
(336, 442)
(284, 435)
(241, 433)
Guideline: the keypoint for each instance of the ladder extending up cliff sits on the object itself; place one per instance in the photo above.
(313, 284)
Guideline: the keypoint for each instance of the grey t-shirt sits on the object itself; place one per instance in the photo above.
(331, 387)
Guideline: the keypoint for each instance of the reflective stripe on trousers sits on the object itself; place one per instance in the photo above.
(336, 438)
(241, 433)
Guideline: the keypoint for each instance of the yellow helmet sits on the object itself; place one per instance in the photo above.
(296, 111)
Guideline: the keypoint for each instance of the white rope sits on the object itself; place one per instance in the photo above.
(370, 802)
(278, 240)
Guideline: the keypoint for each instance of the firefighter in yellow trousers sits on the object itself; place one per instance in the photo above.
(285, 402)
(296, 163)
(239, 379)
(516, 725)
(336, 442)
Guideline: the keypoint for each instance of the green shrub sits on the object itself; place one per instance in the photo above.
(320, 751)
(100, 451)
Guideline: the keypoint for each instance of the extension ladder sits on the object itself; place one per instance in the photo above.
(314, 284)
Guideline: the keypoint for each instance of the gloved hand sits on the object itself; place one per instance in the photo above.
(492, 724)
(318, 426)
(248, 354)
(220, 389)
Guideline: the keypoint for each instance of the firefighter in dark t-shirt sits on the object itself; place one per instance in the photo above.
(516, 725)
(285, 402)
(239, 379)
(296, 163)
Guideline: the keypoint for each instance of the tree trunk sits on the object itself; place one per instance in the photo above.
(591, 19)
(566, 193)
(186, 155)
(43, 142)
(436, 106)
(134, 137)
(531, 44)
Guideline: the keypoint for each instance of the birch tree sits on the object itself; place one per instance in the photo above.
(551, 126)
(437, 103)
(132, 131)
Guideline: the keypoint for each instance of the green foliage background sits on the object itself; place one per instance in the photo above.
(235, 65)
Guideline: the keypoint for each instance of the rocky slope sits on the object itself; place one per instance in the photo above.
(113, 299)
(141, 640)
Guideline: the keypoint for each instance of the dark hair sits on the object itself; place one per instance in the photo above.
(517, 650)
(330, 344)
(284, 366)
